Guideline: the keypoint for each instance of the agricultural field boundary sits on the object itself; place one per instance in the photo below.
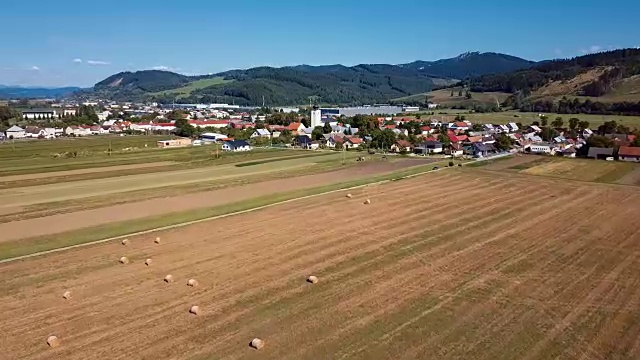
(386, 179)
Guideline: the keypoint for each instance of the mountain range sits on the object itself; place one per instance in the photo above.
(327, 84)
(20, 92)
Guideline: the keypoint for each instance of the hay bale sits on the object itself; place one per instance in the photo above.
(157, 240)
(349, 196)
(367, 202)
(168, 279)
(257, 343)
(312, 279)
(195, 310)
(192, 282)
(53, 341)
(147, 262)
(124, 260)
(66, 295)
(125, 242)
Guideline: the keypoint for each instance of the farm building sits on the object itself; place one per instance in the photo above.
(236, 145)
(16, 132)
(541, 148)
(174, 143)
(38, 114)
(600, 153)
(628, 153)
(212, 137)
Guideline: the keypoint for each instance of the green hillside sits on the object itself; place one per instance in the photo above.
(192, 86)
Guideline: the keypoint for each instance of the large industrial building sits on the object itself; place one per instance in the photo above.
(362, 110)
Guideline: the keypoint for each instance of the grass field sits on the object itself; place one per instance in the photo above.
(528, 118)
(444, 98)
(531, 268)
(32, 157)
(195, 85)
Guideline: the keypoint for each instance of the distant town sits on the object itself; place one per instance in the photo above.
(407, 130)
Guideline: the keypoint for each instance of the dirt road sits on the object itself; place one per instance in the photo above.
(530, 268)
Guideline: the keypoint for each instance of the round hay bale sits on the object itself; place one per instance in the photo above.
(349, 196)
(125, 242)
(192, 282)
(312, 279)
(157, 240)
(257, 343)
(168, 279)
(367, 202)
(53, 341)
(124, 260)
(147, 262)
(66, 295)
(195, 310)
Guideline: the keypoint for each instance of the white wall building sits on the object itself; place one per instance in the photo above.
(316, 118)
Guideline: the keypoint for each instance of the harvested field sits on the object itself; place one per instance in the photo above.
(58, 223)
(528, 269)
(631, 178)
(508, 163)
(582, 169)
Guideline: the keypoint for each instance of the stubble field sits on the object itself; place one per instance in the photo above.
(454, 264)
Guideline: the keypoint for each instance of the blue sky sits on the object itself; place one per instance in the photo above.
(70, 42)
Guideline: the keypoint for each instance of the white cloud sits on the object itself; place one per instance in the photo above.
(97, 62)
(77, 60)
(34, 68)
(165, 68)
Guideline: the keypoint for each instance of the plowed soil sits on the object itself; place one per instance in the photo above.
(459, 264)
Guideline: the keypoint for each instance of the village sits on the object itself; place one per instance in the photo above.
(406, 134)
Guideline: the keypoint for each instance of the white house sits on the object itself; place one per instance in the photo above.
(264, 133)
(16, 132)
(542, 148)
(513, 127)
(586, 133)
(236, 145)
(77, 131)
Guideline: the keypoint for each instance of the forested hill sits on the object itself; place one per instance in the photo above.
(332, 84)
(615, 65)
(608, 82)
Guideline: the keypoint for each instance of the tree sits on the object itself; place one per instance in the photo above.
(305, 122)
(444, 139)
(326, 128)
(460, 93)
(599, 141)
(557, 123)
(451, 93)
(468, 95)
(384, 138)
(547, 133)
(544, 121)
(573, 123)
(503, 142)
(183, 128)
(583, 124)
(317, 133)
(609, 127)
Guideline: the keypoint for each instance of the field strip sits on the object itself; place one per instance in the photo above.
(191, 222)
(85, 171)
